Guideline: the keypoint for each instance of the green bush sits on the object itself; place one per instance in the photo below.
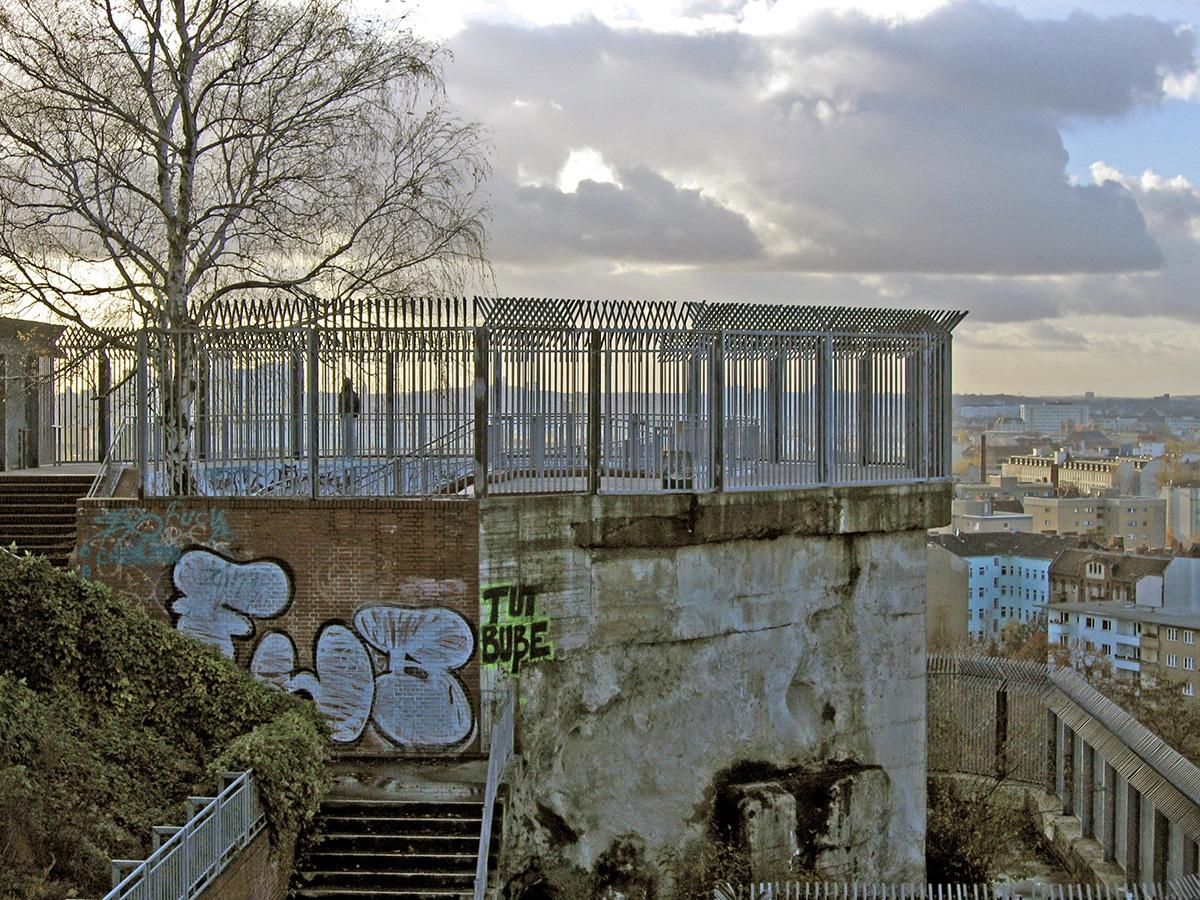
(110, 718)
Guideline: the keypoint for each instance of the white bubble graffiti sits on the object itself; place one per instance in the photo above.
(219, 598)
(343, 685)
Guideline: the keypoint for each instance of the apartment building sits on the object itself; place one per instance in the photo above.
(1055, 418)
(1134, 522)
(979, 583)
(1092, 576)
(1183, 513)
(1088, 476)
(1139, 641)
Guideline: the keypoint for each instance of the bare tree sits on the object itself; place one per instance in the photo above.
(160, 157)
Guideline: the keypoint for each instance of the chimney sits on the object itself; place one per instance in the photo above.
(983, 458)
(1054, 476)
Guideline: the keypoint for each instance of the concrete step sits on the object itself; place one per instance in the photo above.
(18, 529)
(325, 893)
(391, 862)
(398, 843)
(413, 825)
(393, 880)
(401, 809)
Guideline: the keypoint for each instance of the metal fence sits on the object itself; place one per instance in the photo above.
(513, 396)
(185, 860)
(1131, 792)
(1179, 889)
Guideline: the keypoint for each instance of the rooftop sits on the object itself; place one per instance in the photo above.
(1030, 546)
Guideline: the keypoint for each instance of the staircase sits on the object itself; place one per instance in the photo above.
(37, 513)
(393, 850)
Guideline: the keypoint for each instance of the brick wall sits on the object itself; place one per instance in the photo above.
(369, 606)
(255, 874)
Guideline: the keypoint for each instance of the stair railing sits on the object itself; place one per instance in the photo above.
(188, 858)
(499, 753)
(102, 483)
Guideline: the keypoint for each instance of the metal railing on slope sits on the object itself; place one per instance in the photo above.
(1179, 889)
(499, 753)
(194, 854)
(110, 466)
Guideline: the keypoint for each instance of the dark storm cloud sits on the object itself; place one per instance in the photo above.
(645, 218)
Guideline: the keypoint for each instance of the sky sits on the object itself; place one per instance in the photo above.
(1037, 165)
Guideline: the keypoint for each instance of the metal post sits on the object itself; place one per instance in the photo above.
(103, 406)
(1001, 755)
(143, 411)
(1108, 834)
(389, 406)
(593, 412)
(947, 412)
(481, 412)
(1133, 834)
(1068, 781)
(203, 417)
(1051, 780)
(296, 404)
(314, 413)
(825, 415)
(1160, 842)
(1087, 789)
(716, 402)
(866, 409)
(775, 406)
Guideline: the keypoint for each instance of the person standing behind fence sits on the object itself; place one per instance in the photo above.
(349, 408)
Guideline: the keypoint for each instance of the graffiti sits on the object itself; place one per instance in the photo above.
(420, 700)
(134, 537)
(342, 683)
(219, 599)
(512, 635)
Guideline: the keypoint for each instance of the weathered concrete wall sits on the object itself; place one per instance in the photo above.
(368, 606)
(947, 586)
(703, 639)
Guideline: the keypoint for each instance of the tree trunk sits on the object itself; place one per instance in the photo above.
(177, 386)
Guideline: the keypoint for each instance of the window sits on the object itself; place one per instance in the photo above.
(1189, 663)
(1106, 625)
(1004, 591)
(1172, 634)
(1062, 640)
(1172, 661)
(995, 560)
(1189, 637)
(982, 570)
(981, 592)
(1004, 570)
(1137, 627)
(995, 582)
(1189, 690)
(1090, 622)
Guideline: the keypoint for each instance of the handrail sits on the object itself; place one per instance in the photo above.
(195, 854)
(100, 482)
(499, 753)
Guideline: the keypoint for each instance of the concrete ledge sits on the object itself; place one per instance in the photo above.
(614, 521)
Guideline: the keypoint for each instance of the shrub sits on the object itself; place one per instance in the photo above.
(109, 719)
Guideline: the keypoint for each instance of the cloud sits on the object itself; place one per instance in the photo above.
(642, 218)
(848, 145)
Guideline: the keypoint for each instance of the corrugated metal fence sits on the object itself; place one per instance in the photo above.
(1179, 889)
(1134, 794)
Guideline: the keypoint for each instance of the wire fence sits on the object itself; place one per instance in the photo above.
(520, 396)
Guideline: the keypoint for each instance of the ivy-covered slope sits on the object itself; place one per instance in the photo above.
(109, 719)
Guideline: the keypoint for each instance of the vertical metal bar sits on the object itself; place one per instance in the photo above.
(103, 406)
(481, 412)
(1108, 833)
(1051, 777)
(825, 413)
(593, 412)
(314, 413)
(389, 405)
(1001, 733)
(296, 403)
(1087, 788)
(1160, 843)
(716, 401)
(947, 410)
(143, 410)
(1132, 864)
(1068, 781)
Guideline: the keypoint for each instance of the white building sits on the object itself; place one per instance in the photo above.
(1008, 578)
(1054, 418)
